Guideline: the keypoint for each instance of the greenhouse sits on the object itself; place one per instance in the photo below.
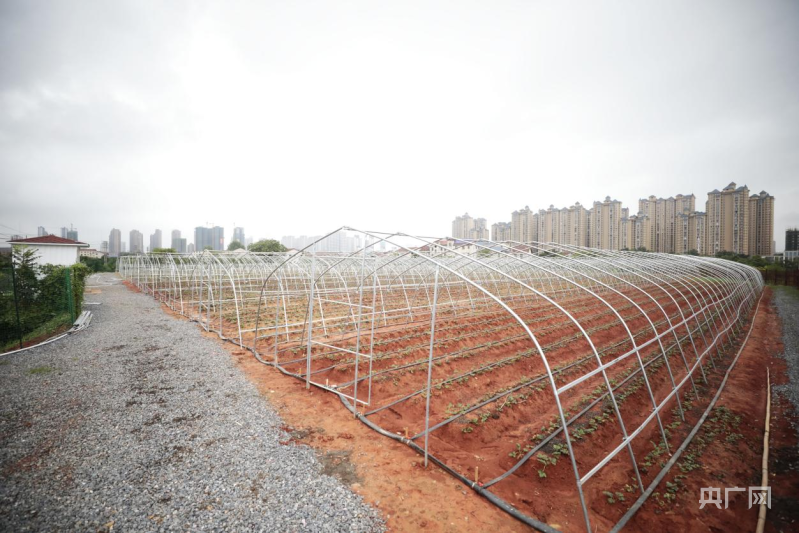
(544, 376)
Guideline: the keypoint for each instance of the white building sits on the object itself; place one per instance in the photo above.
(52, 250)
(94, 254)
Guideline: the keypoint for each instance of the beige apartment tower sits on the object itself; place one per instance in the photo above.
(576, 233)
(605, 225)
(501, 231)
(663, 216)
(690, 233)
(549, 225)
(524, 225)
(466, 227)
(727, 220)
(461, 226)
(761, 224)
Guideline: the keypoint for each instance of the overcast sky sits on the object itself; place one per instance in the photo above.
(299, 117)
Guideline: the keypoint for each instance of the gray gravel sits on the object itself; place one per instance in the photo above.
(140, 423)
(787, 301)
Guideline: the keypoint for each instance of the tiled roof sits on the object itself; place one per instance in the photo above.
(47, 239)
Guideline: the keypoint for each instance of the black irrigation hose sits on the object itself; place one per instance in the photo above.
(493, 498)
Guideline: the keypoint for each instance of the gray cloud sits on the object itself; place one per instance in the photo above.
(300, 117)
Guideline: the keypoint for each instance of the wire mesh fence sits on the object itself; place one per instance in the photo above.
(545, 367)
(781, 277)
(37, 301)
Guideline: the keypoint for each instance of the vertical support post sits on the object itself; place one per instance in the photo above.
(310, 318)
(16, 302)
(277, 316)
(430, 367)
(372, 332)
(70, 294)
(358, 329)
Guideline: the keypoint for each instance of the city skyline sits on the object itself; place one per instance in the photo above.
(646, 206)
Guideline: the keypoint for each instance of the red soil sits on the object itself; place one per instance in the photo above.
(488, 444)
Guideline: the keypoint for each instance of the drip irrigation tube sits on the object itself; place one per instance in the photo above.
(678, 452)
(761, 514)
(477, 487)
(493, 498)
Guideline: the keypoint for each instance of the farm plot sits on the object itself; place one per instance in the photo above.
(553, 377)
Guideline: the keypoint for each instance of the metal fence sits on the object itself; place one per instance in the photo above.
(781, 277)
(37, 305)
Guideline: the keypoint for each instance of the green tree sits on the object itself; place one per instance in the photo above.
(692, 252)
(267, 245)
(97, 264)
(26, 273)
(164, 251)
(234, 245)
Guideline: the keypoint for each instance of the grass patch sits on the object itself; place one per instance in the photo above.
(40, 370)
(53, 326)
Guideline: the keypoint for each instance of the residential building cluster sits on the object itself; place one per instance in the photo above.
(341, 241)
(733, 221)
(466, 227)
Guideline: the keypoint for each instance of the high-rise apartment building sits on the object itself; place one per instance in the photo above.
(480, 231)
(576, 225)
(461, 226)
(501, 231)
(690, 233)
(605, 225)
(627, 231)
(190, 248)
(648, 208)
(728, 220)
(662, 214)
(41, 232)
(136, 242)
(178, 244)
(155, 240)
(114, 243)
(209, 238)
(548, 222)
(104, 247)
(72, 234)
(466, 227)
(238, 235)
(792, 239)
(761, 224)
(524, 225)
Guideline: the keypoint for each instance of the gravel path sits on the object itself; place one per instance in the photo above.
(140, 423)
(787, 300)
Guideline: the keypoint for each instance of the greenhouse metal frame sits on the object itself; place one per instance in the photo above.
(338, 321)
